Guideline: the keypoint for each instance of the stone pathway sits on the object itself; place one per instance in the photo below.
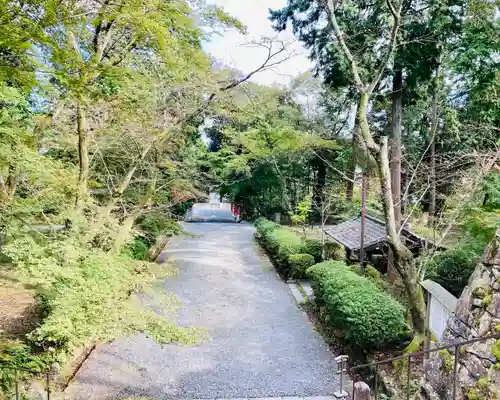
(281, 398)
(262, 345)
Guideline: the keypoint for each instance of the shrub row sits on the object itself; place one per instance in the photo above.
(369, 317)
(291, 254)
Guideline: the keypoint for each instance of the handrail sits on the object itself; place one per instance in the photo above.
(46, 374)
(456, 346)
(420, 353)
(31, 371)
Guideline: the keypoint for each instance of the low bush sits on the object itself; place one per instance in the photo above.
(264, 226)
(452, 268)
(282, 243)
(369, 317)
(299, 264)
(314, 247)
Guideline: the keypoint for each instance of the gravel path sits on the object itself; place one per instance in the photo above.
(261, 344)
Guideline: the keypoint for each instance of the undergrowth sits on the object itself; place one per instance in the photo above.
(86, 295)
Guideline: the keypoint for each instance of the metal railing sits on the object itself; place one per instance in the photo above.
(17, 371)
(408, 357)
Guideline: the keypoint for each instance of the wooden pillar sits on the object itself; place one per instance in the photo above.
(361, 391)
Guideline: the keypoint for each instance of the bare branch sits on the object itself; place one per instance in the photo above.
(272, 59)
(396, 15)
(339, 35)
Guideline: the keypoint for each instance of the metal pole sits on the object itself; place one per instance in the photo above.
(408, 379)
(48, 386)
(363, 222)
(17, 384)
(342, 379)
(455, 367)
(427, 343)
(376, 382)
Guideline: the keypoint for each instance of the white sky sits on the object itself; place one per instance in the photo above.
(229, 50)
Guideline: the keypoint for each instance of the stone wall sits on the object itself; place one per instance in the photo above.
(477, 315)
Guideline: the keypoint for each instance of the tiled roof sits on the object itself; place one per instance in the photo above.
(348, 233)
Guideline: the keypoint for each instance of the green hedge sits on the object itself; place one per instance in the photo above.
(282, 243)
(299, 264)
(264, 226)
(369, 317)
(314, 247)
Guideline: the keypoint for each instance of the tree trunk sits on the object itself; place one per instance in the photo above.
(403, 259)
(432, 151)
(349, 193)
(404, 262)
(83, 154)
(395, 161)
(396, 151)
(128, 223)
(8, 186)
(319, 187)
(432, 189)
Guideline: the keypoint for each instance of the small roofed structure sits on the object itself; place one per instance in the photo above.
(348, 234)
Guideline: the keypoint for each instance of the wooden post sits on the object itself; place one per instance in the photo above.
(361, 391)
(363, 222)
(427, 342)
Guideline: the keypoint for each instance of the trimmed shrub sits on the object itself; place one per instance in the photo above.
(452, 268)
(299, 264)
(314, 247)
(281, 243)
(264, 226)
(369, 317)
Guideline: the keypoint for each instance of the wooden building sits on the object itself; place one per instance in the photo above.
(348, 234)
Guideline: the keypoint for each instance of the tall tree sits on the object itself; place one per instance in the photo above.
(365, 73)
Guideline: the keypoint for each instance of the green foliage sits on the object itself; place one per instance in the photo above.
(452, 268)
(369, 317)
(264, 226)
(302, 213)
(299, 263)
(374, 275)
(495, 350)
(19, 355)
(156, 224)
(314, 247)
(447, 360)
(85, 293)
(138, 249)
(284, 245)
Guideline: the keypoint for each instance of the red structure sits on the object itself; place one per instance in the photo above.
(236, 210)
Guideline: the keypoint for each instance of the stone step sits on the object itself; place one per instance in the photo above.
(306, 286)
(297, 294)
